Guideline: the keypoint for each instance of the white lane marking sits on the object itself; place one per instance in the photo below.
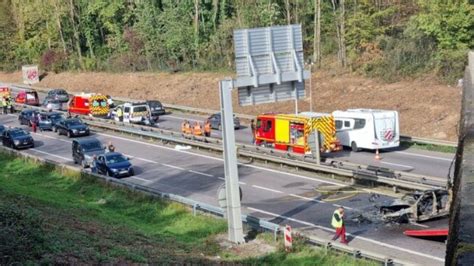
(268, 189)
(319, 201)
(425, 156)
(420, 225)
(138, 158)
(54, 155)
(138, 178)
(172, 166)
(354, 236)
(200, 173)
(401, 165)
(218, 159)
(49, 137)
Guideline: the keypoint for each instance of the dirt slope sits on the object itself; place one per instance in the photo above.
(427, 109)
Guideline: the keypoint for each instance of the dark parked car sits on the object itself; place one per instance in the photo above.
(58, 94)
(114, 164)
(217, 124)
(2, 129)
(17, 138)
(49, 120)
(71, 127)
(84, 149)
(156, 109)
(26, 116)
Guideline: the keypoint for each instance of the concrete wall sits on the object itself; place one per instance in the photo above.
(460, 250)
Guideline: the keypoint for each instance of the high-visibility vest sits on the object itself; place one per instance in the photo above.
(119, 112)
(334, 222)
(197, 130)
(207, 128)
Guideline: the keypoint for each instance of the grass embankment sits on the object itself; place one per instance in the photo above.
(429, 147)
(46, 217)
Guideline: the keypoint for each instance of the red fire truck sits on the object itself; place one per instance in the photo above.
(295, 133)
(89, 104)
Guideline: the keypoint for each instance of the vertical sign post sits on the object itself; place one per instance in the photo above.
(234, 221)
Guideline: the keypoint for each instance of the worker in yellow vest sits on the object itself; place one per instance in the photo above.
(120, 114)
(197, 129)
(338, 223)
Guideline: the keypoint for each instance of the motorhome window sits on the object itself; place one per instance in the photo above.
(259, 123)
(359, 123)
(126, 110)
(338, 124)
(269, 126)
(347, 124)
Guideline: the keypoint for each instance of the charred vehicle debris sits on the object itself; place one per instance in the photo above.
(417, 206)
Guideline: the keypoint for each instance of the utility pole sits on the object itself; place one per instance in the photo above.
(310, 87)
(234, 220)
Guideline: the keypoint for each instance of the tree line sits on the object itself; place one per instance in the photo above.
(390, 39)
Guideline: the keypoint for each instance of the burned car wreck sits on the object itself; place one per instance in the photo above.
(417, 206)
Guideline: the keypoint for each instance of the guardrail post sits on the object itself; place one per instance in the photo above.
(195, 205)
(275, 234)
(327, 247)
(356, 254)
(395, 189)
(388, 262)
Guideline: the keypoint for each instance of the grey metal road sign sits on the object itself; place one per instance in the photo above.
(269, 64)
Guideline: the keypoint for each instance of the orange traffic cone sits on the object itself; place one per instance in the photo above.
(377, 155)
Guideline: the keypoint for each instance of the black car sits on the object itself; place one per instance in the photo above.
(17, 138)
(216, 123)
(58, 94)
(71, 127)
(2, 129)
(84, 149)
(26, 116)
(156, 109)
(114, 164)
(49, 119)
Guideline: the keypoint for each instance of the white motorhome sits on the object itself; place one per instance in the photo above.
(367, 128)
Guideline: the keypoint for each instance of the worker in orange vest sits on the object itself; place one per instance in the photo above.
(197, 129)
(187, 128)
(207, 128)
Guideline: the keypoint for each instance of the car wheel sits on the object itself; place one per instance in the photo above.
(33, 145)
(354, 146)
(132, 173)
(29, 124)
(74, 160)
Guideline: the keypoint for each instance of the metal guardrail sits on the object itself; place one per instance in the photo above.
(355, 172)
(437, 142)
(252, 221)
(403, 138)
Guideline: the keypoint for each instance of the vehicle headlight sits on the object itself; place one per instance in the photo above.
(47, 122)
(114, 170)
(16, 142)
(74, 131)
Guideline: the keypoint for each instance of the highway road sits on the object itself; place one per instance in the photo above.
(280, 197)
(412, 160)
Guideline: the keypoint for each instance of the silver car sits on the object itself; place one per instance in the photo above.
(52, 104)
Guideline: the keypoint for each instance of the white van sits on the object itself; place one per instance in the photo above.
(137, 113)
(367, 128)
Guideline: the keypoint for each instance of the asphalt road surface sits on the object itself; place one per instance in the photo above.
(280, 197)
(411, 160)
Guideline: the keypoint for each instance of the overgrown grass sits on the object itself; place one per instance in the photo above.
(49, 218)
(429, 147)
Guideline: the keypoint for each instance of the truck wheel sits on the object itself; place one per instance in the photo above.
(354, 146)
